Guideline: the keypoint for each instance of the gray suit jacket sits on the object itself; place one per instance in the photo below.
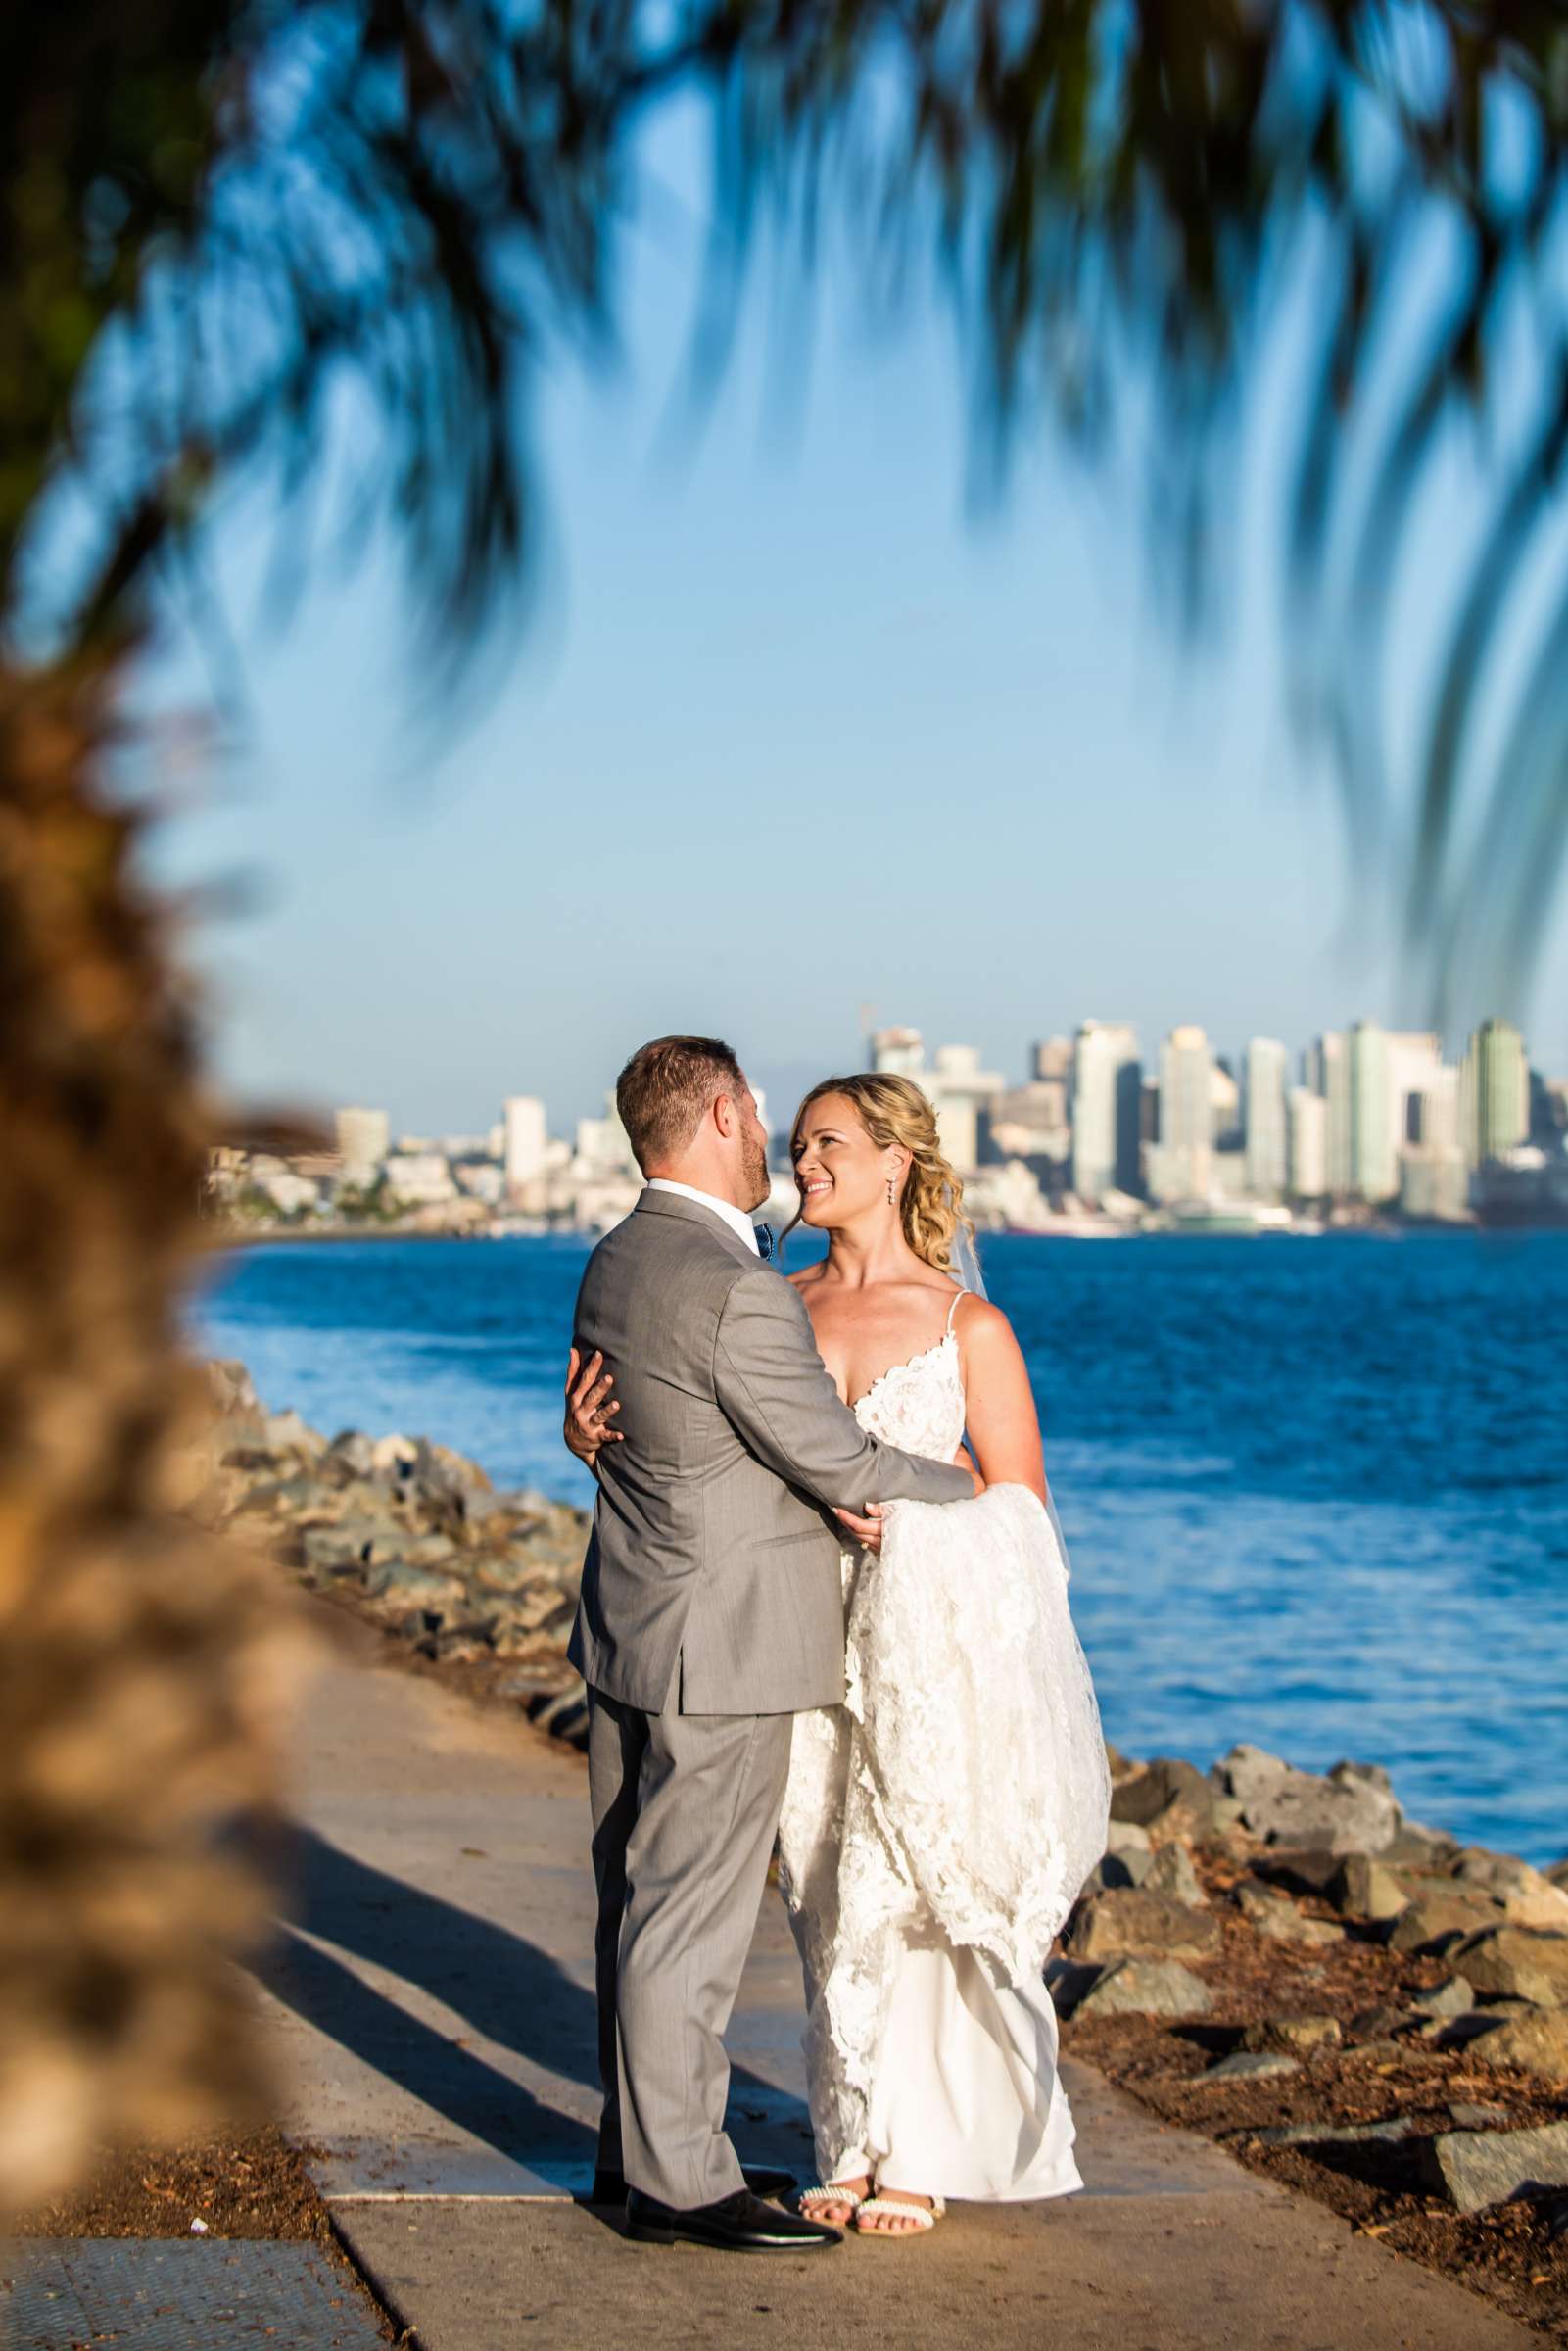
(713, 1544)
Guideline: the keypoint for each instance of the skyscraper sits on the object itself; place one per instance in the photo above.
(1268, 1141)
(1180, 1166)
(1375, 1138)
(1328, 1074)
(1493, 1092)
(363, 1137)
(959, 1089)
(1306, 1115)
(900, 1051)
(526, 1136)
(1108, 1078)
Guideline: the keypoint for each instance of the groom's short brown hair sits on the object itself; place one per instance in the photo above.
(667, 1087)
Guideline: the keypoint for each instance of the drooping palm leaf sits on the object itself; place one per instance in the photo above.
(425, 197)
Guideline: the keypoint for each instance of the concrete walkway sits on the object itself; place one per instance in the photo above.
(432, 2010)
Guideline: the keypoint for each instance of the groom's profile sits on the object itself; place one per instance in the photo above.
(711, 1612)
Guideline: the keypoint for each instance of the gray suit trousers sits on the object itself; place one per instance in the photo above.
(685, 1811)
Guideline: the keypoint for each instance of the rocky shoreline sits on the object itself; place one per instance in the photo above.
(1347, 1999)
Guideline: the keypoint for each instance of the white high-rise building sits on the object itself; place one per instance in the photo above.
(1180, 1166)
(959, 1089)
(1224, 1105)
(1375, 1138)
(526, 1136)
(1107, 1086)
(1435, 1109)
(1306, 1118)
(365, 1137)
(901, 1052)
(1328, 1074)
(1415, 1067)
(1493, 1092)
(1434, 1180)
(1267, 1133)
(604, 1147)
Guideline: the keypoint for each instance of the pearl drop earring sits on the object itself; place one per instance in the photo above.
(889, 1192)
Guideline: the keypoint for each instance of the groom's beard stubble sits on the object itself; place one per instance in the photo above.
(757, 1178)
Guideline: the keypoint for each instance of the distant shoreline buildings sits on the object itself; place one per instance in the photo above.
(1373, 1129)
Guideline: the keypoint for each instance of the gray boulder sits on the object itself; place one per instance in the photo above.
(1528, 1898)
(1167, 1797)
(1536, 2042)
(286, 1432)
(1276, 1915)
(1296, 2034)
(1250, 2065)
(1453, 1996)
(1475, 2169)
(1519, 1962)
(1129, 1922)
(355, 1450)
(1363, 1888)
(1171, 1872)
(402, 1587)
(1352, 1809)
(1144, 1987)
(1438, 1921)
(1337, 2134)
(1378, 2022)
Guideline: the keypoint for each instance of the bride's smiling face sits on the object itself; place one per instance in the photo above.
(839, 1172)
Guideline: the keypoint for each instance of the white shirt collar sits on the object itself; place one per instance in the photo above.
(735, 1218)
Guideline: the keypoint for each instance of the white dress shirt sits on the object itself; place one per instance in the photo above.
(735, 1218)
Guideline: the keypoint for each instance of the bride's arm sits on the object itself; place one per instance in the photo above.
(999, 1411)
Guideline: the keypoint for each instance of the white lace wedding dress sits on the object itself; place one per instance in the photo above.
(937, 1829)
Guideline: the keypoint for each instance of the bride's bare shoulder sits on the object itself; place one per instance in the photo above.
(978, 1321)
(808, 1279)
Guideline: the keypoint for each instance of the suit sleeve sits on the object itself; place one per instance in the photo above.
(774, 1389)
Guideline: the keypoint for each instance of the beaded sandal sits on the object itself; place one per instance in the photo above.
(916, 2216)
(811, 2200)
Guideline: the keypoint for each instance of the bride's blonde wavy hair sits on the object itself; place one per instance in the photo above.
(893, 1111)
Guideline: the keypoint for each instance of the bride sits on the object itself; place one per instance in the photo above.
(938, 1824)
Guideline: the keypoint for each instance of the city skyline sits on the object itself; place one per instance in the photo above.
(1096, 1141)
(1128, 1042)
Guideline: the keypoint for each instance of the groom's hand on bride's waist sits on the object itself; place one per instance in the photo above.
(866, 1531)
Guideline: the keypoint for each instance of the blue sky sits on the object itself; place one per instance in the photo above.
(790, 730)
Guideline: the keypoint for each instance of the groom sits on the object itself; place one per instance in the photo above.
(711, 1611)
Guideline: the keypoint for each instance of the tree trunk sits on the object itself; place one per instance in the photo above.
(136, 1647)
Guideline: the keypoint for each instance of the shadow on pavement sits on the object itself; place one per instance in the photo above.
(513, 1994)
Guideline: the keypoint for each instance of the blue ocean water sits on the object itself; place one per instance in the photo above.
(1315, 1493)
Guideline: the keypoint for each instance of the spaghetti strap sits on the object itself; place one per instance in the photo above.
(953, 1309)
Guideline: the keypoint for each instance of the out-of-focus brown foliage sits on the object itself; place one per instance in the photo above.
(135, 1648)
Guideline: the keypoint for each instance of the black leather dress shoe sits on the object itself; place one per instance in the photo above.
(609, 2187)
(737, 2224)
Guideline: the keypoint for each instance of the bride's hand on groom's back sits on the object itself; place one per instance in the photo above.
(587, 1425)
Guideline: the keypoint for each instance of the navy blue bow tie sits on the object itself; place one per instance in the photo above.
(765, 1242)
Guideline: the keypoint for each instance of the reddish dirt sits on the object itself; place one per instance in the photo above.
(1515, 2255)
